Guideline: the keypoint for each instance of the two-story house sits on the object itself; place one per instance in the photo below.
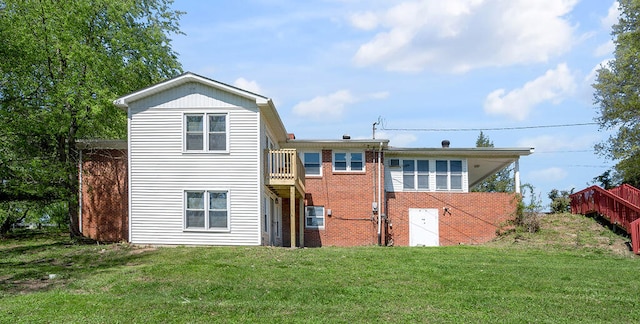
(206, 163)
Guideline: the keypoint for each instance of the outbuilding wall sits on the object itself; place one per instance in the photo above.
(104, 204)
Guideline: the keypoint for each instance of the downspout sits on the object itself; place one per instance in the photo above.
(380, 195)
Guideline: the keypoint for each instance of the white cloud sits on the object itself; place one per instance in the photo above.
(379, 95)
(251, 86)
(327, 107)
(397, 140)
(585, 92)
(553, 86)
(459, 35)
(555, 143)
(331, 107)
(612, 16)
(605, 49)
(365, 21)
(549, 174)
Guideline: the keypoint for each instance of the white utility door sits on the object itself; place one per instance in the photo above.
(276, 222)
(423, 227)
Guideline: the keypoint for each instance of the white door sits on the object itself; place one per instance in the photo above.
(276, 223)
(423, 227)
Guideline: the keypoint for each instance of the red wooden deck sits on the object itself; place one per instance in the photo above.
(620, 206)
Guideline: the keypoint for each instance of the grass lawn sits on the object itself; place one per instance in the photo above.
(506, 282)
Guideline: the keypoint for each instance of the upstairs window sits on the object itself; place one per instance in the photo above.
(415, 174)
(312, 163)
(214, 139)
(448, 175)
(348, 161)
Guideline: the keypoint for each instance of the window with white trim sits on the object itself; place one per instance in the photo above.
(312, 163)
(415, 174)
(314, 217)
(207, 210)
(448, 175)
(214, 139)
(348, 161)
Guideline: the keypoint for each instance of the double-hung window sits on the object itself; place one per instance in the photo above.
(312, 163)
(314, 217)
(205, 132)
(415, 174)
(448, 175)
(348, 161)
(208, 210)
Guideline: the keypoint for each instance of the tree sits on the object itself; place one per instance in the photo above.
(560, 201)
(500, 182)
(63, 63)
(617, 89)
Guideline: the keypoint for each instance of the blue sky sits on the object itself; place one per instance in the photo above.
(335, 67)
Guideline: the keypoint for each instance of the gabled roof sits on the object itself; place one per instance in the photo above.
(123, 102)
(266, 104)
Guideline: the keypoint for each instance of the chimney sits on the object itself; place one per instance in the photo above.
(346, 137)
(291, 136)
(445, 143)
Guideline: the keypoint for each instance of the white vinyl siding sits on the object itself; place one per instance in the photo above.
(427, 174)
(160, 171)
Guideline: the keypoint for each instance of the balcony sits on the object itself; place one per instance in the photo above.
(284, 170)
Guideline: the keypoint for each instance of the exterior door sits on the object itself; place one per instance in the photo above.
(276, 222)
(423, 227)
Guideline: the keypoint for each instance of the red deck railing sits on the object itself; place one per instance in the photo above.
(620, 206)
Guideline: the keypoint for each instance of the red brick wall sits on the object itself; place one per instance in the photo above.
(349, 195)
(474, 217)
(105, 195)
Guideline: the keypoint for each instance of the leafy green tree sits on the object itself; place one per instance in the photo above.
(63, 63)
(503, 181)
(608, 179)
(560, 201)
(617, 87)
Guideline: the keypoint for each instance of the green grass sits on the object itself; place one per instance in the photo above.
(501, 283)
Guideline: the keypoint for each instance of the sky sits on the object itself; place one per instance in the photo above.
(334, 67)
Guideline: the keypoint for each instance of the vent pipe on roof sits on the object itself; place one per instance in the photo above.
(445, 143)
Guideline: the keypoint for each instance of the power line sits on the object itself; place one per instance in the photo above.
(484, 129)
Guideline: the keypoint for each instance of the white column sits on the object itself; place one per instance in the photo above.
(516, 174)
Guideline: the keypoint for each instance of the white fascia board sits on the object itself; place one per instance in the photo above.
(475, 151)
(332, 144)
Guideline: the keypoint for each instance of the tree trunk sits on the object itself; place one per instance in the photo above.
(73, 183)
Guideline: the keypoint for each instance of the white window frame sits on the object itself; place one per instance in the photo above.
(348, 157)
(307, 217)
(206, 210)
(449, 174)
(415, 175)
(302, 158)
(205, 132)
